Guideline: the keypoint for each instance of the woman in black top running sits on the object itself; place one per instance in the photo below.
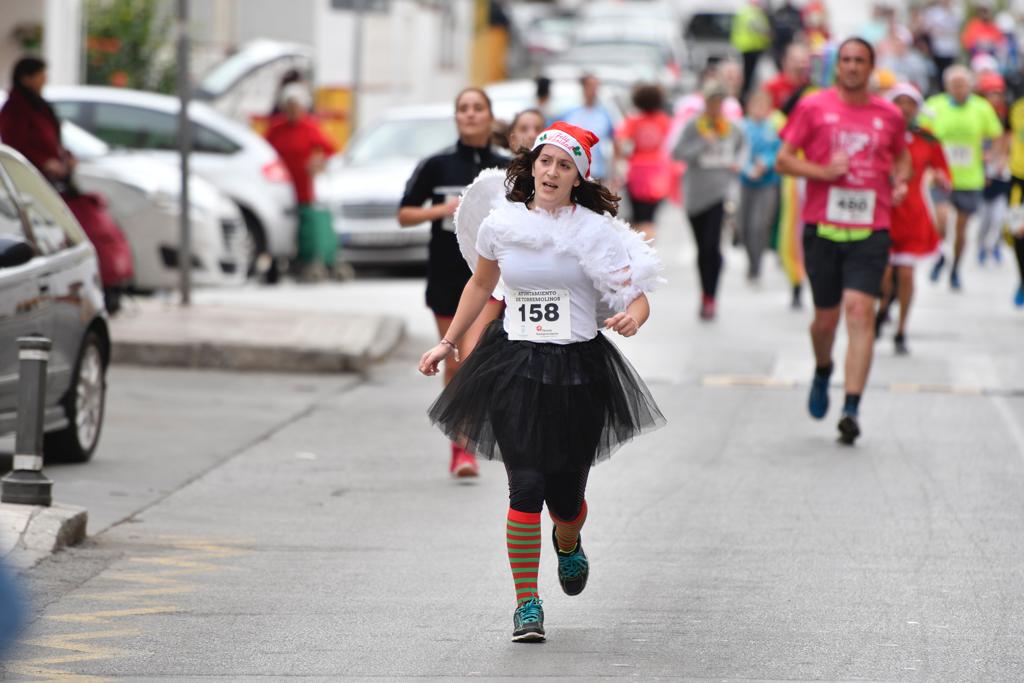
(441, 180)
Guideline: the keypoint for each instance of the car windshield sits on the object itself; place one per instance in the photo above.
(615, 53)
(225, 74)
(566, 94)
(557, 26)
(710, 26)
(397, 139)
(81, 143)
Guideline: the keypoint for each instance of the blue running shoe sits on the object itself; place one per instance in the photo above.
(573, 567)
(954, 281)
(528, 621)
(1018, 299)
(997, 255)
(937, 268)
(817, 402)
(981, 256)
(849, 428)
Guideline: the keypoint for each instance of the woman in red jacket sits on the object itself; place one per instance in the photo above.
(29, 124)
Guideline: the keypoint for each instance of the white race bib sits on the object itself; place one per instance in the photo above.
(540, 315)
(1015, 219)
(852, 207)
(959, 155)
(720, 155)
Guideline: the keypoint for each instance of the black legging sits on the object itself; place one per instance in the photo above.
(528, 490)
(750, 60)
(707, 231)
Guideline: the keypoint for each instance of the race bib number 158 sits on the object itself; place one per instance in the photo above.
(540, 315)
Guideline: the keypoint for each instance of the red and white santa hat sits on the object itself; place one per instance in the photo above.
(575, 141)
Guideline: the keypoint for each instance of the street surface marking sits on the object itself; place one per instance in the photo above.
(893, 387)
(103, 617)
(746, 381)
(1011, 422)
(76, 643)
(160, 579)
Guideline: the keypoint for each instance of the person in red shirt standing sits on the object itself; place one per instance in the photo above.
(297, 137)
(795, 75)
(299, 141)
(913, 233)
(649, 177)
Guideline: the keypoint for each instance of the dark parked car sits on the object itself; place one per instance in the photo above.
(50, 286)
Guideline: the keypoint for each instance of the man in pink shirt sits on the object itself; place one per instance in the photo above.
(857, 166)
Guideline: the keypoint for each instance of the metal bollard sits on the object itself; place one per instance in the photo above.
(26, 484)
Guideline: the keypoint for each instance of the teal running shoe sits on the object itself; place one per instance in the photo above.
(528, 621)
(573, 567)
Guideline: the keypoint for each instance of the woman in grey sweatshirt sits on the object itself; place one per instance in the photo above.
(712, 148)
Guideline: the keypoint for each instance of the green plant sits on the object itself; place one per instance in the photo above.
(129, 44)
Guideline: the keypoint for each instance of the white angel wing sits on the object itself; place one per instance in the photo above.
(476, 203)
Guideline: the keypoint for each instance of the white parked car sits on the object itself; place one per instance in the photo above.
(232, 157)
(364, 186)
(143, 196)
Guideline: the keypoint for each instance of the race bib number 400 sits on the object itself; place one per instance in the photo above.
(541, 315)
(851, 207)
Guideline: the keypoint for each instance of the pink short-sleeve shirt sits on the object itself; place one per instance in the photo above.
(871, 135)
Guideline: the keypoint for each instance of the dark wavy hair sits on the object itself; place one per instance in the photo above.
(519, 184)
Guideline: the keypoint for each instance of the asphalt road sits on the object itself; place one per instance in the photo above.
(289, 527)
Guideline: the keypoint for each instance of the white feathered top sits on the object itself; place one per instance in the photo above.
(617, 261)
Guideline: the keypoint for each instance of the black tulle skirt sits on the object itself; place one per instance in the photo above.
(545, 406)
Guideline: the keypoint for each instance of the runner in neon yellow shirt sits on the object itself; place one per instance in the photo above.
(962, 122)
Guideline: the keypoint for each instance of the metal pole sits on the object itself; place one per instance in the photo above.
(357, 65)
(26, 484)
(184, 147)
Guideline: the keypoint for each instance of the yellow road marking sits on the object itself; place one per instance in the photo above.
(161, 581)
(745, 381)
(80, 648)
(721, 381)
(107, 615)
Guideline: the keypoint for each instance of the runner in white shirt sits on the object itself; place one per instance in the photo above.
(544, 390)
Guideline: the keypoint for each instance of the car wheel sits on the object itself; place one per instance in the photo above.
(254, 242)
(83, 405)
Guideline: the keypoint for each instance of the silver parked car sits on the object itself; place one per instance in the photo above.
(232, 157)
(364, 186)
(50, 286)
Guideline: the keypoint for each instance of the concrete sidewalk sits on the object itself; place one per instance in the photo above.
(250, 335)
(28, 533)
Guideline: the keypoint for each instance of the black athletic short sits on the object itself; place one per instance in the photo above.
(966, 201)
(834, 266)
(643, 211)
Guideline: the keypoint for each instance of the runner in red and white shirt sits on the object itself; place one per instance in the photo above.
(914, 235)
(856, 164)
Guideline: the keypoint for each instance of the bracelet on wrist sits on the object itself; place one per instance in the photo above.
(452, 346)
